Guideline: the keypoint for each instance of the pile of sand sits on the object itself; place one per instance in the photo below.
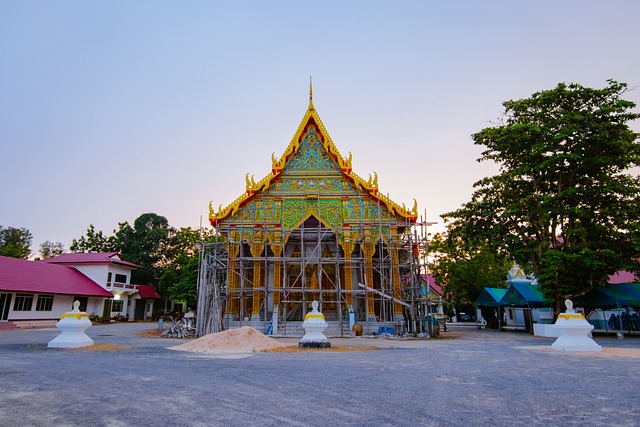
(241, 340)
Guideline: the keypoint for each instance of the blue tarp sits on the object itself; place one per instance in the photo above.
(623, 295)
(490, 297)
(528, 295)
(524, 295)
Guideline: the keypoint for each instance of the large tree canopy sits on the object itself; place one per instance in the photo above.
(15, 242)
(145, 243)
(563, 202)
(168, 257)
(51, 249)
(179, 278)
(93, 241)
(464, 266)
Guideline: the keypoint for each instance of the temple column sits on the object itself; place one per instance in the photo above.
(277, 273)
(396, 284)
(233, 299)
(348, 247)
(369, 248)
(256, 251)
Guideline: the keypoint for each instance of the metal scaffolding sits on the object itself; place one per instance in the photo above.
(312, 229)
(271, 287)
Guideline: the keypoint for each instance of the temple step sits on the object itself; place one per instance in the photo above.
(293, 329)
(7, 325)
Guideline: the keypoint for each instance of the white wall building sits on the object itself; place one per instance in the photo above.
(41, 291)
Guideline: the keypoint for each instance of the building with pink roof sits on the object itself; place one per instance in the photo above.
(39, 292)
(623, 277)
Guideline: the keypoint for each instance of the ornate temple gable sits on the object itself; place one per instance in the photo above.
(311, 158)
(311, 178)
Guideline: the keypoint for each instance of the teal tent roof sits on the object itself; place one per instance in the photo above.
(524, 295)
(623, 295)
(490, 297)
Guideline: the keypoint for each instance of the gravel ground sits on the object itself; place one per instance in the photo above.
(469, 377)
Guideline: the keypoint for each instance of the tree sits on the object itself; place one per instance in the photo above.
(563, 202)
(93, 241)
(185, 288)
(145, 243)
(168, 258)
(464, 266)
(50, 249)
(179, 278)
(15, 242)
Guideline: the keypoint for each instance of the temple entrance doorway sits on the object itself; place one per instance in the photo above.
(311, 259)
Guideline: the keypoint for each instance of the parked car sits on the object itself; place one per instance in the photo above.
(464, 317)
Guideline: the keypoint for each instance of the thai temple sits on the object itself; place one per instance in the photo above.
(312, 230)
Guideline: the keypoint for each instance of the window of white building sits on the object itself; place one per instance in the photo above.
(23, 302)
(44, 303)
(117, 305)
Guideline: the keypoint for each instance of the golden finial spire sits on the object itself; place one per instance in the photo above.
(310, 94)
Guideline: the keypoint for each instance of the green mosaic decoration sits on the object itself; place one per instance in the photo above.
(311, 157)
(295, 211)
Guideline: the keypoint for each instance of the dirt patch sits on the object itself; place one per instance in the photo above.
(450, 335)
(101, 347)
(338, 349)
(614, 352)
(607, 352)
(150, 333)
(242, 340)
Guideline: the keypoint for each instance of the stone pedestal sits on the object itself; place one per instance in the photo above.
(573, 332)
(544, 330)
(72, 325)
(314, 326)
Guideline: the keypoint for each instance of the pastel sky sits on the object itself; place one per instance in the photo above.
(112, 109)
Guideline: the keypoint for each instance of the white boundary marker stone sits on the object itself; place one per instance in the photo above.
(72, 325)
(573, 332)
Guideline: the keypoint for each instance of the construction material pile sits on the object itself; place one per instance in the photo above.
(180, 328)
(241, 340)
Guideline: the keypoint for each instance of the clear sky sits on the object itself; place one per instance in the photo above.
(112, 109)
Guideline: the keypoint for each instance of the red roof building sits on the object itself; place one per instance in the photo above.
(622, 277)
(18, 275)
(41, 291)
(147, 292)
(431, 281)
(90, 258)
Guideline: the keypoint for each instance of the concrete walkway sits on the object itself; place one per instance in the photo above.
(468, 377)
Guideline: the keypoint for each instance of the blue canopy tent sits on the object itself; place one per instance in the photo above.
(489, 297)
(615, 297)
(625, 294)
(524, 295)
